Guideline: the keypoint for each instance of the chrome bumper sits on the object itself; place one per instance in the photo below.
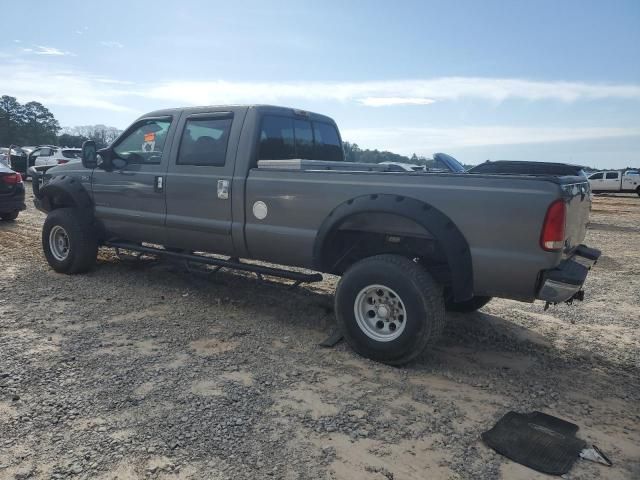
(563, 283)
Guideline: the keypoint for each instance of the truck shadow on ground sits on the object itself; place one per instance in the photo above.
(487, 341)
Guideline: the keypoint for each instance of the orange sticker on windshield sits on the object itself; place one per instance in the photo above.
(149, 137)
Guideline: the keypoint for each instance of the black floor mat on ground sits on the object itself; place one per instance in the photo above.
(537, 440)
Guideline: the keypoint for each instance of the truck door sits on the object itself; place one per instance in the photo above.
(199, 195)
(612, 181)
(596, 181)
(130, 199)
(630, 181)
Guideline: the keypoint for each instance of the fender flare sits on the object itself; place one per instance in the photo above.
(445, 232)
(67, 187)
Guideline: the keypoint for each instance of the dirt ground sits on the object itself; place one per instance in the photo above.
(143, 370)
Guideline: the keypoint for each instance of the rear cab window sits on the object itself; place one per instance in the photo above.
(284, 138)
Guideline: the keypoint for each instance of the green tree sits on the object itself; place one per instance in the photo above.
(68, 140)
(39, 126)
(103, 135)
(10, 120)
(28, 124)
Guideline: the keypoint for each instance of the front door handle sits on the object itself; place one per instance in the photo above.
(158, 184)
(223, 189)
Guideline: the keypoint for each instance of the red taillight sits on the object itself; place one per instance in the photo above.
(12, 178)
(60, 162)
(552, 237)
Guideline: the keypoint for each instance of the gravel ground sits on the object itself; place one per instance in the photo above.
(142, 370)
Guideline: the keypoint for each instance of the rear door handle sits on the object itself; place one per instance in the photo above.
(223, 189)
(158, 184)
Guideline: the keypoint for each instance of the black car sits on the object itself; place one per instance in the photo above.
(517, 167)
(11, 193)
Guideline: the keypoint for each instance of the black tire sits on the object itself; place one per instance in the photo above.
(638, 191)
(420, 298)
(82, 242)
(467, 306)
(10, 216)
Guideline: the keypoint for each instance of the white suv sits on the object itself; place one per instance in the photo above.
(47, 156)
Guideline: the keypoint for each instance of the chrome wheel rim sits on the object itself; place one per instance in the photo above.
(380, 313)
(59, 243)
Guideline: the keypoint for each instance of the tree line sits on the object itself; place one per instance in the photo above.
(33, 124)
(353, 153)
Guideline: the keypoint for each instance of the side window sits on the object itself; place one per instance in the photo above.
(612, 175)
(277, 141)
(145, 143)
(327, 142)
(304, 139)
(45, 152)
(597, 176)
(204, 141)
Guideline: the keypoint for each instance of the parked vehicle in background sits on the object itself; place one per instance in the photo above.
(519, 167)
(46, 156)
(440, 163)
(403, 167)
(16, 159)
(615, 181)
(443, 162)
(271, 184)
(11, 193)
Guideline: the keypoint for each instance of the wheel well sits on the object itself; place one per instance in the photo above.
(57, 198)
(345, 246)
(383, 223)
(63, 191)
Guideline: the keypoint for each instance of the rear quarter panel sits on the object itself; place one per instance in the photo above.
(500, 218)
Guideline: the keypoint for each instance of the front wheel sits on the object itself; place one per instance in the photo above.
(389, 308)
(69, 241)
(638, 191)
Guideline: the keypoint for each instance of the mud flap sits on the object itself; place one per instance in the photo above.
(333, 339)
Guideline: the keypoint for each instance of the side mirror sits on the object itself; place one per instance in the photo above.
(89, 154)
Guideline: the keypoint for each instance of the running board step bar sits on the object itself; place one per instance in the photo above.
(233, 264)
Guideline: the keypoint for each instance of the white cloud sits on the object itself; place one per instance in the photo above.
(384, 93)
(394, 101)
(42, 50)
(54, 85)
(61, 87)
(426, 140)
(47, 51)
(111, 44)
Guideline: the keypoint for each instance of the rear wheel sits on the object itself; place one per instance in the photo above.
(10, 216)
(69, 241)
(468, 306)
(389, 308)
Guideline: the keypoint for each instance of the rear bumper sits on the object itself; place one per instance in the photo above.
(565, 281)
(12, 204)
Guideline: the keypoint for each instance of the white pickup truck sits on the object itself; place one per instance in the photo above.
(615, 181)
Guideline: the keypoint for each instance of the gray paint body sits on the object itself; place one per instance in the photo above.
(500, 216)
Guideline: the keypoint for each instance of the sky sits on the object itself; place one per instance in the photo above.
(512, 79)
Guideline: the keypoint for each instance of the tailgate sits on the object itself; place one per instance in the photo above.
(578, 195)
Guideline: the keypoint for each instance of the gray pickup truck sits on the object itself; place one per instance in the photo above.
(269, 184)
